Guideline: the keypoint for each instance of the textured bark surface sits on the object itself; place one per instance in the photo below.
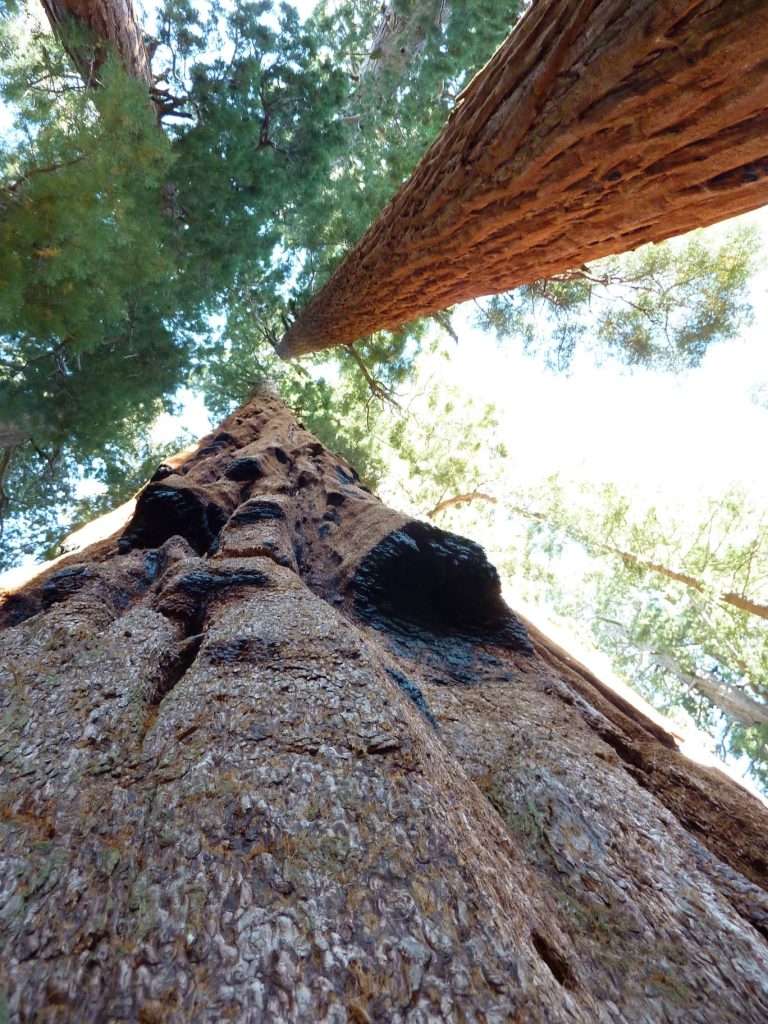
(277, 753)
(599, 125)
(112, 21)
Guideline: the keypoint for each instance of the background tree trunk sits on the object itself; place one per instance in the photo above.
(108, 21)
(279, 753)
(596, 127)
(400, 36)
(732, 700)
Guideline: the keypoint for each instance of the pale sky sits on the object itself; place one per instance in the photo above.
(674, 434)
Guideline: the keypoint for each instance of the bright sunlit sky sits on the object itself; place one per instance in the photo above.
(673, 434)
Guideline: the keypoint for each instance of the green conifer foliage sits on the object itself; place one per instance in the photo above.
(382, 126)
(660, 307)
(666, 594)
(390, 117)
(136, 257)
(81, 234)
(121, 244)
(258, 140)
(46, 485)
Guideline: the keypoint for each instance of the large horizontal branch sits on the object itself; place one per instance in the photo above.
(599, 125)
(459, 499)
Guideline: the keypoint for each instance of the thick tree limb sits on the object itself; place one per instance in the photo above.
(745, 605)
(597, 126)
(377, 389)
(730, 699)
(32, 171)
(12, 436)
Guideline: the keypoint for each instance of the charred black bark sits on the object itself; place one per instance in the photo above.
(424, 577)
(163, 511)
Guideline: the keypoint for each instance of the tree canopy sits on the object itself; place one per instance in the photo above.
(136, 259)
(661, 306)
(677, 598)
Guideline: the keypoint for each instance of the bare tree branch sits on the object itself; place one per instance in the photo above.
(460, 499)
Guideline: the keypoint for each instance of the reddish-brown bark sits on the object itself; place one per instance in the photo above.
(460, 499)
(112, 21)
(598, 126)
(278, 753)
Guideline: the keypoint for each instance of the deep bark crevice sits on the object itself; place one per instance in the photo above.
(244, 469)
(17, 608)
(181, 661)
(187, 596)
(554, 959)
(413, 693)
(584, 682)
(165, 511)
(63, 584)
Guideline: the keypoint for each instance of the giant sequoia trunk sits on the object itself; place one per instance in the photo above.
(598, 125)
(108, 23)
(279, 753)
